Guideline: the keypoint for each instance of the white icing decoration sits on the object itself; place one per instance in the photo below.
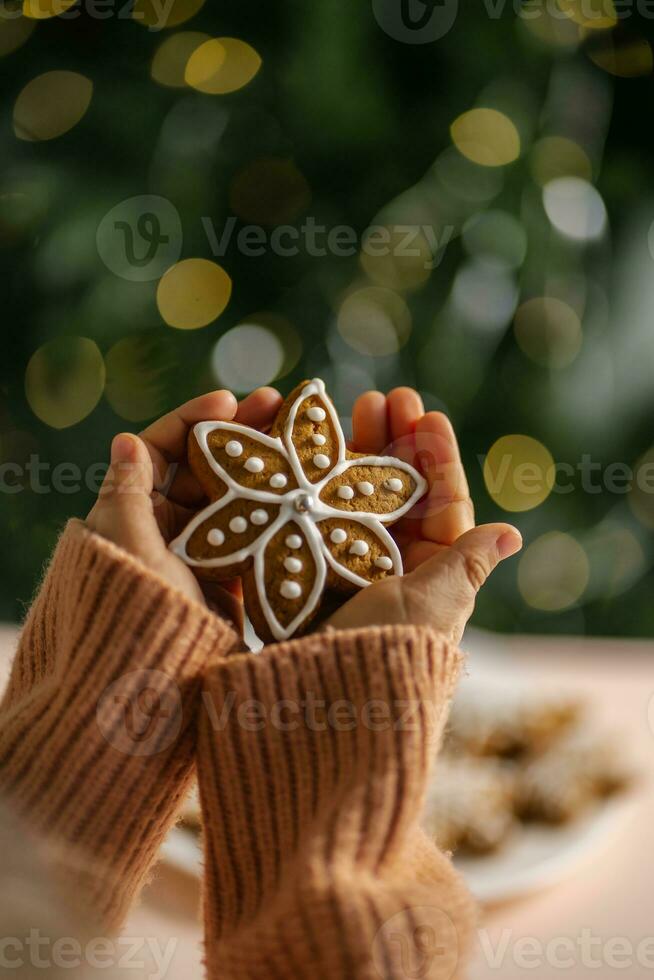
(290, 590)
(338, 535)
(238, 525)
(259, 516)
(318, 440)
(292, 564)
(384, 562)
(321, 461)
(254, 464)
(215, 537)
(234, 448)
(284, 512)
(365, 488)
(278, 480)
(359, 547)
(393, 484)
(316, 414)
(345, 493)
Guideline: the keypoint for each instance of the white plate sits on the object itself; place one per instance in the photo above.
(538, 856)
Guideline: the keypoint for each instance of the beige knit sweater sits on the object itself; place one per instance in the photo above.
(312, 760)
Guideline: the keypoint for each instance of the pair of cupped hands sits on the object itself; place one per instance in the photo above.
(150, 494)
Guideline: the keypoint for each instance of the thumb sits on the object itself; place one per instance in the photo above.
(123, 512)
(474, 555)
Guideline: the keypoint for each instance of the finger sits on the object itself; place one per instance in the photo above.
(448, 511)
(418, 552)
(259, 409)
(474, 556)
(404, 407)
(123, 512)
(370, 423)
(166, 438)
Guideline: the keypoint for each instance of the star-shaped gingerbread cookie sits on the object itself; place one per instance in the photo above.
(294, 512)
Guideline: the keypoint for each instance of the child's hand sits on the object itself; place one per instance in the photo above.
(447, 559)
(150, 494)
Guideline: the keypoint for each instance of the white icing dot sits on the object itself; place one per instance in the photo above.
(292, 564)
(233, 448)
(254, 464)
(384, 562)
(394, 484)
(318, 440)
(338, 535)
(294, 541)
(359, 547)
(215, 537)
(278, 480)
(259, 516)
(345, 493)
(316, 414)
(238, 525)
(290, 590)
(321, 461)
(365, 488)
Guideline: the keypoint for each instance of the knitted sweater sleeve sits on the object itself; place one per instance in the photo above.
(97, 726)
(313, 761)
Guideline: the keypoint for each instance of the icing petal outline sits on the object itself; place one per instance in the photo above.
(375, 528)
(202, 430)
(375, 463)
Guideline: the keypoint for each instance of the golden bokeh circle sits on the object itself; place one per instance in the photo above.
(402, 261)
(374, 321)
(14, 31)
(519, 473)
(45, 9)
(557, 156)
(51, 104)
(487, 137)
(193, 293)
(134, 387)
(548, 331)
(222, 65)
(170, 59)
(64, 381)
(592, 15)
(553, 572)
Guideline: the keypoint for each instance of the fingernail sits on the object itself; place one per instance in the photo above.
(509, 544)
(122, 449)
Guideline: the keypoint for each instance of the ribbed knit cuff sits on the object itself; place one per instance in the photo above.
(97, 731)
(313, 761)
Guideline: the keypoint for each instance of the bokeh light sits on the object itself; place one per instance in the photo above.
(269, 192)
(485, 295)
(154, 14)
(543, 20)
(548, 331)
(51, 104)
(170, 59)
(374, 320)
(496, 237)
(519, 473)
(64, 381)
(44, 9)
(222, 65)
(136, 367)
(403, 262)
(461, 181)
(553, 572)
(556, 156)
(14, 31)
(487, 137)
(616, 557)
(575, 208)
(247, 356)
(193, 293)
(628, 58)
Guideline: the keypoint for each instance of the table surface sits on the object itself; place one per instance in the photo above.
(597, 920)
